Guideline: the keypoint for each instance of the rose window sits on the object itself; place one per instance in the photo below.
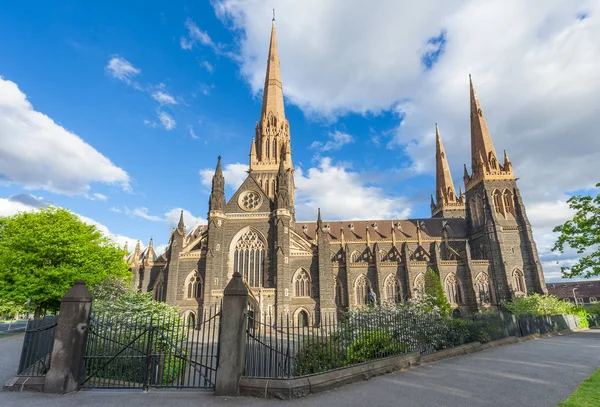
(250, 201)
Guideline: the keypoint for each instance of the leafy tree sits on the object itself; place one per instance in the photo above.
(582, 233)
(8, 309)
(435, 292)
(43, 253)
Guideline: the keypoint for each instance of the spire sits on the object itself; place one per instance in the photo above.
(342, 237)
(126, 247)
(217, 194)
(319, 220)
(273, 92)
(181, 225)
(253, 151)
(282, 198)
(507, 164)
(445, 191)
(481, 141)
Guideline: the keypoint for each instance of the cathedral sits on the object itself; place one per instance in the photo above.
(478, 241)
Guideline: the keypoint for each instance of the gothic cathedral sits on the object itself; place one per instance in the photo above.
(479, 241)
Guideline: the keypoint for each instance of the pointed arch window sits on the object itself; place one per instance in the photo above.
(453, 289)
(268, 147)
(392, 290)
(194, 286)
(355, 257)
(519, 281)
(361, 290)
(159, 291)
(339, 293)
(301, 284)
(498, 205)
(508, 202)
(249, 258)
(303, 319)
(275, 148)
(267, 187)
(482, 283)
(383, 255)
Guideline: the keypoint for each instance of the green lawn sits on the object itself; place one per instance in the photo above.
(587, 394)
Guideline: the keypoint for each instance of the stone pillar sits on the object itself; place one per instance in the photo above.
(232, 338)
(66, 365)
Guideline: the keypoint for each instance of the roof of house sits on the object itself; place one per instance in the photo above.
(584, 289)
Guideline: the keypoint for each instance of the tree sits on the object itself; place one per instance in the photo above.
(581, 233)
(43, 253)
(435, 292)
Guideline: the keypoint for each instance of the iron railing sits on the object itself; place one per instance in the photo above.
(280, 348)
(37, 347)
(152, 352)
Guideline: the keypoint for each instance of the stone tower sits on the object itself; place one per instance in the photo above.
(499, 230)
(446, 203)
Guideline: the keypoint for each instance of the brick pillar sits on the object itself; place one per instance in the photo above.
(232, 338)
(66, 365)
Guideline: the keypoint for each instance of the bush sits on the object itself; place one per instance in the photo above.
(320, 355)
(372, 345)
(538, 304)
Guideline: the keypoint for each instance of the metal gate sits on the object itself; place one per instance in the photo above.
(139, 352)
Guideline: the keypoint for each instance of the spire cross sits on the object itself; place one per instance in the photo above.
(273, 15)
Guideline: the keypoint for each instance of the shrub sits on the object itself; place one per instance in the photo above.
(372, 345)
(594, 309)
(320, 355)
(435, 292)
(538, 304)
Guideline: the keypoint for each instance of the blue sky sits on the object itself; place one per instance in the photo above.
(156, 91)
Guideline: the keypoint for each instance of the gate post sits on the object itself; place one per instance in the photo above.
(232, 338)
(66, 363)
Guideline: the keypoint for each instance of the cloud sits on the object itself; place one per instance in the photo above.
(167, 120)
(337, 140)
(343, 194)
(122, 69)
(141, 212)
(164, 98)
(196, 36)
(234, 175)
(190, 221)
(38, 153)
(208, 66)
(192, 133)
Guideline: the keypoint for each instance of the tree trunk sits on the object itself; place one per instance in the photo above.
(37, 313)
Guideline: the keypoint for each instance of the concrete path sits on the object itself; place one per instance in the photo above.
(538, 373)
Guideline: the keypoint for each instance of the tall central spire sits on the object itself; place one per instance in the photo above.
(481, 141)
(273, 92)
(272, 129)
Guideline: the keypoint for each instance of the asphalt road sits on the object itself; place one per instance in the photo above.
(538, 373)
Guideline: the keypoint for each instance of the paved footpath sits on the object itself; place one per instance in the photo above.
(537, 373)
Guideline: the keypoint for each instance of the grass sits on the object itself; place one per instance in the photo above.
(587, 394)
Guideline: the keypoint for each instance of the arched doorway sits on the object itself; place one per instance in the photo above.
(191, 321)
(303, 319)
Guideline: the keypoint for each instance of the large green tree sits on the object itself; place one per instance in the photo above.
(582, 233)
(43, 253)
(435, 293)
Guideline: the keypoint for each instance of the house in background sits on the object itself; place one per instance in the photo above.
(579, 292)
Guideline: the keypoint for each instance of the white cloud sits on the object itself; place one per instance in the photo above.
(122, 69)
(150, 124)
(538, 81)
(167, 120)
(164, 98)
(141, 212)
(337, 140)
(195, 36)
(190, 221)
(343, 194)
(192, 133)
(38, 153)
(207, 65)
(234, 175)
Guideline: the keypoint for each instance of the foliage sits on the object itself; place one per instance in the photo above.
(587, 394)
(320, 355)
(135, 324)
(10, 309)
(43, 253)
(582, 233)
(538, 304)
(376, 344)
(435, 291)
(594, 309)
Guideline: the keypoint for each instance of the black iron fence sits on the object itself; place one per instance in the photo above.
(279, 348)
(152, 352)
(37, 347)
